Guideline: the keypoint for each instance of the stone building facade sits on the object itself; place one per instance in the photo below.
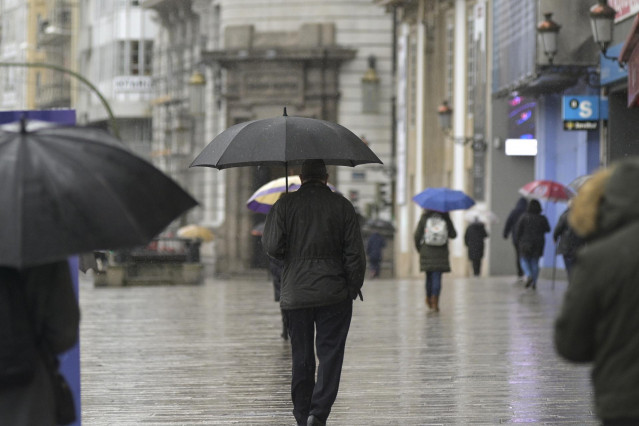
(257, 58)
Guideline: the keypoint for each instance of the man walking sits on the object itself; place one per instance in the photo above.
(316, 233)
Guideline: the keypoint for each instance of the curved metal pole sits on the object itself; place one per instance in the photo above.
(95, 90)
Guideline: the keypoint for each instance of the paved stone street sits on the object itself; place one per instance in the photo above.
(212, 355)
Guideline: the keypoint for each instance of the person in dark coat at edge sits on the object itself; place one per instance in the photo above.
(509, 226)
(529, 234)
(474, 239)
(374, 249)
(599, 319)
(434, 260)
(567, 241)
(316, 233)
(55, 316)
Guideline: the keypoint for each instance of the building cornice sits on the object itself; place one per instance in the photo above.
(229, 56)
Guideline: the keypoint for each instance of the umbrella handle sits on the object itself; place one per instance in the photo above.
(286, 165)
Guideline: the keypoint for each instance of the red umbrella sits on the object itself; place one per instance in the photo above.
(548, 190)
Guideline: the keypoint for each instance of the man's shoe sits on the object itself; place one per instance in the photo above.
(314, 421)
(529, 282)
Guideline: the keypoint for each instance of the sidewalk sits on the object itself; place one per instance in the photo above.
(212, 355)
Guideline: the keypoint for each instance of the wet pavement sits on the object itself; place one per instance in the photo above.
(212, 355)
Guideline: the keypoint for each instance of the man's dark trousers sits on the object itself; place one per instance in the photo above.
(332, 323)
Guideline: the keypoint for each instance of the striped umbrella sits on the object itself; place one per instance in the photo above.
(263, 199)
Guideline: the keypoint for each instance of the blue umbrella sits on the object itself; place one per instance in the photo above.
(443, 199)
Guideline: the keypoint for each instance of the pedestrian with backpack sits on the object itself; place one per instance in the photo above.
(39, 319)
(431, 241)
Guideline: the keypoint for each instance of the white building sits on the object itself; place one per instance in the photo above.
(115, 47)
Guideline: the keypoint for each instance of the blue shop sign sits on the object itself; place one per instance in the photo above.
(580, 108)
(610, 70)
(583, 112)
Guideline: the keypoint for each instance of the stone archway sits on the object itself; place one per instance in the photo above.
(266, 72)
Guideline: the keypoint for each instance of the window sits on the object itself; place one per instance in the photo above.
(102, 61)
(134, 56)
(120, 62)
(9, 80)
(8, 26)
(105, 8)
(147, 54)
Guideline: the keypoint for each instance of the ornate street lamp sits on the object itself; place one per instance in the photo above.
(548, 31)
(602, 18)
(444, 114)
(370, 88)
(197, 81)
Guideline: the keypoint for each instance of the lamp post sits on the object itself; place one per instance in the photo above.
(602, 18)
(548, 31)
(444, 116)
(105, 103)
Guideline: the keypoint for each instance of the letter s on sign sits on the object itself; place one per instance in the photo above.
(585, 109)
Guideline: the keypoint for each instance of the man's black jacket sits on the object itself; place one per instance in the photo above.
(316, 233)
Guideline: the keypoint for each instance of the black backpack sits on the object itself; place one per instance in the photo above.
(18, 351)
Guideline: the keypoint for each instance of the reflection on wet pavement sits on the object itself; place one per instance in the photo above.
(212, 355)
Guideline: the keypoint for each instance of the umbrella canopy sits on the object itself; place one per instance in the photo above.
(481, 213)
(263, 199)
(195, 232)
(443, 199)
(285, 141)
(69, 190)
(576, 183)
(548, 190)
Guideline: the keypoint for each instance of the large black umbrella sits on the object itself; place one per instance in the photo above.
(285, 140)
(69, 190)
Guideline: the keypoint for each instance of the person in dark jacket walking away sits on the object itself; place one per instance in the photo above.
(431, 241)
(567, 241)
(55, 316)
(316, 233)
(374, 248)
(474, 239)
(529, 234)
(509, 226)
(599, 321)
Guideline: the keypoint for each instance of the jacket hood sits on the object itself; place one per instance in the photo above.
(522, 204)
(608, 200)
(534, 207)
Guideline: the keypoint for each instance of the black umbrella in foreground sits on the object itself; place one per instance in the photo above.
(285, 140)
(68, 190)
